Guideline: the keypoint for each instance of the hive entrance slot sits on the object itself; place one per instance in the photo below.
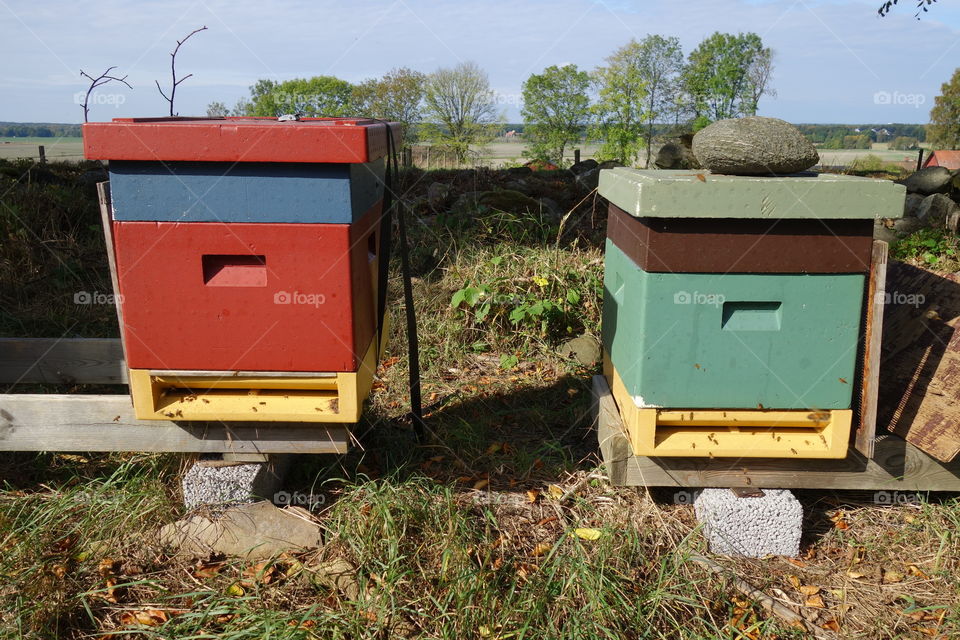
(234, 270)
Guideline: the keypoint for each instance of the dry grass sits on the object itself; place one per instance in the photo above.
(461, 536)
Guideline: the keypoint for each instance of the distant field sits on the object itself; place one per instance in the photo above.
(497, 154)
(55, 148)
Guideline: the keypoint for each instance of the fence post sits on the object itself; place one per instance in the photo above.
(919, 159)
(43, 155)
(576, 156)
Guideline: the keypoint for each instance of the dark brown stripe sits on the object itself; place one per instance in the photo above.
(727, 245)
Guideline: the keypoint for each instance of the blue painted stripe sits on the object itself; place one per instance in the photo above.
(244, 191)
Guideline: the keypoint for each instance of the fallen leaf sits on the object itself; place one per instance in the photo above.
(547, 520)
(795, 562)
(891, 577)
(494, 448)
(588, 534)
(814, 601)
(541, 549)
(207, 569)
(555, 492)
(831, 625)
(58, 570)
(855, 575)
(144, 617)
(532, 495)
(809, 589)
(916, 571)
(794, 580)
(482, 483)
(235, 590)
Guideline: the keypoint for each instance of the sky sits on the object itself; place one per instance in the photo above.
(835, 61)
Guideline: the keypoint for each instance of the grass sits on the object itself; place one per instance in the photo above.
(461, 537)
(931, 248)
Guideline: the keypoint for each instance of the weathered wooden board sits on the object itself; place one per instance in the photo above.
(896, 466)
(42, 422)
(920, 378)
(62, 361)
(873, 332)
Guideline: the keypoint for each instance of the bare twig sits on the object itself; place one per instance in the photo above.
(173, 70)
(99, 81)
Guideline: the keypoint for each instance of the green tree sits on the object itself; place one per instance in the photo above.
(660, 62)
(459, 109)
(556, 108)
(727, 74)
(621, 100)
(317, 96)
(944, 129)
(397, 97)
(217, 109)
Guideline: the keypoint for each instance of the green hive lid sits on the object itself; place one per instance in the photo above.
(701, 194)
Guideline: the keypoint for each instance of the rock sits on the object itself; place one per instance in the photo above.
(548, 204)
(437, 194)
(584, 349)
(583, 166)
(675, 156)
(255, 531)
(935, 210)
(339, 575)
(910, 205)
(520, 171)
(753, 146)
(929, 181)
(509, 200)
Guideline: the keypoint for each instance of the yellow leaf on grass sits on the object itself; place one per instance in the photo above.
(891, 577)
(495, 447)
(555, 492)
(831, 625)
(588, 534)
(855, 575)
(815, 601)
(541, 549)
(144, 617)
(809, 589)
(532, 495)
(235, 590)
(914, 570)
(794, 580)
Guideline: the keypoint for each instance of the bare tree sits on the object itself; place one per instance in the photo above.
(99, 81)
(173, 70)
(759, 75)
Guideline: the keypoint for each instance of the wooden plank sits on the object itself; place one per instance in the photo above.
(896, 466)
(614, 446)
(46, 422)
(920, 379)
(106, 216)
(62, 361)
(870, 377)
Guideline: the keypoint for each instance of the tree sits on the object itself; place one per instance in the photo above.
(217, 110)
(885, 7)
(621, 98)
(660, 63)
(944, 129)
(99, 81)
(313, 97)
(556, 108)
(727, 74)
(459, 109)
(396, 97)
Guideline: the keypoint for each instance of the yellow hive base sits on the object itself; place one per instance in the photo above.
(270, 397)
(739, 433)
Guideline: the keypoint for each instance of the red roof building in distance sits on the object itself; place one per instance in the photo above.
(948, 159)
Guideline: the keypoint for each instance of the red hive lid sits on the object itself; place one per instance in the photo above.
(237, 139)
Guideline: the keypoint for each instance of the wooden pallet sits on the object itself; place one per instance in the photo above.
(895, 466)
(106, 422)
